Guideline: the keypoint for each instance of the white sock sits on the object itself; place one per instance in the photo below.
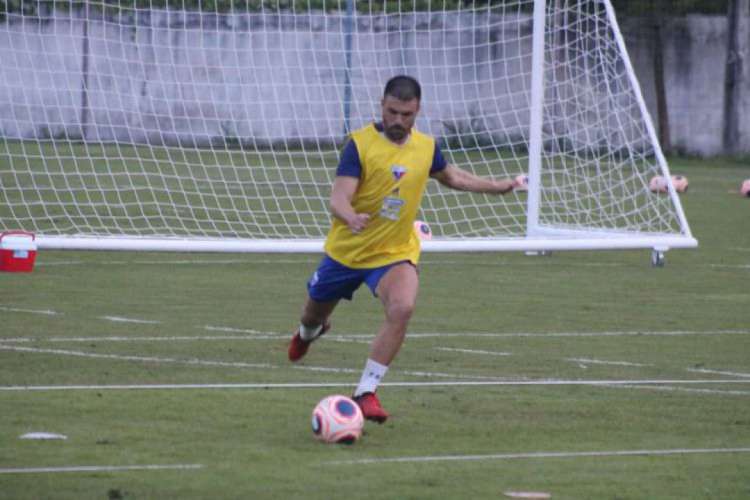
(308, 333)
(371, 377)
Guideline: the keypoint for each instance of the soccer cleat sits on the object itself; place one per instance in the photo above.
(298, 347)
(370, 406)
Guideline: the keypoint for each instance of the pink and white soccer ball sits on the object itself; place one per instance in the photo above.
(745, 188)
(680, 183)
(423, 230)
(337, 419)
(658, 184)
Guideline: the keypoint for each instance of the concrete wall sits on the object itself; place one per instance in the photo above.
(262, 78)
(695, 59)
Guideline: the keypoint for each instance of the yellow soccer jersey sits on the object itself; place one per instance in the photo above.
(392, 179)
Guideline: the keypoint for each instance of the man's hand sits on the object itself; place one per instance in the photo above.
(358, 222)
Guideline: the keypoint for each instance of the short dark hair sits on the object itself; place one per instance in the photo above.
(403, 88)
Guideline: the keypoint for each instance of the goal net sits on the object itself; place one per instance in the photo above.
(189, 125)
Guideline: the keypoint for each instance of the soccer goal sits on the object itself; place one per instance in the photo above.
(133, 124)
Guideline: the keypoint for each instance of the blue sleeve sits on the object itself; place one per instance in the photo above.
(438, 162)
(349, 164)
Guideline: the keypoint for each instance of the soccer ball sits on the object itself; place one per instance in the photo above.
(423, 230)
(337, 419)
(658, 184)
(680, 183)
(745, 188)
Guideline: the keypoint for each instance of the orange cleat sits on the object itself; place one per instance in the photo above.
(298, 347)
(370, 406)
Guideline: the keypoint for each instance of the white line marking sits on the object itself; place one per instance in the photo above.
(228, 329)
(148, 359)
(120, 319)
(47, 263)
(718, 372)
(99, 468)
(588, 361)
(506, 262)
(43, 436)
(200, 362)
(335, 338)
(473, 351)
(30, 311)
(685, 389)
(321, 385)
(258, 335)
(581, 334)
(512, 456)
(187, 338)
(175, 262)
(729, 266)
(538, 495)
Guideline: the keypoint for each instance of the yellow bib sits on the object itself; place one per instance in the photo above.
(391, 185)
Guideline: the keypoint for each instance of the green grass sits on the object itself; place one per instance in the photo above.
(256, 442)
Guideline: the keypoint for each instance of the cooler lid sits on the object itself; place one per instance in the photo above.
(17, 242)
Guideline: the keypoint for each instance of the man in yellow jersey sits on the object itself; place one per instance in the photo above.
(380, 179)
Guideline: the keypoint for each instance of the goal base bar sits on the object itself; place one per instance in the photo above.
(521, 244)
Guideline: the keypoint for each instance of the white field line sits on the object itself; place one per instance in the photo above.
(668, 388)
(174, 262)
(718, 372)
(473, 351)
(48, 263)
(45, 312)
(230, 364)
(258, 335)
(321, 385)
(426, 262)
(574, 334)
(120, 319)
(229, 329)
(730, 266)
(335, 338)
(147, 359)
(98, 468)
(588, 361)
(180, 338)
(562, 454)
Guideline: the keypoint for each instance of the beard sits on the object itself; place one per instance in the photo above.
(396, 133)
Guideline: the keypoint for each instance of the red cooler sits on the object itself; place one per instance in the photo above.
(17, 251)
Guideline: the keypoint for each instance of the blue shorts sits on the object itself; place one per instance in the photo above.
(333, 280)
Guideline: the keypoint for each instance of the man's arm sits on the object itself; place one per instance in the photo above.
(457, 178)
(342, 194)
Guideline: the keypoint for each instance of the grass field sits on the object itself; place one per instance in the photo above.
(584, 375)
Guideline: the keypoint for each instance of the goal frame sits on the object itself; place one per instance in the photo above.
(538, 238)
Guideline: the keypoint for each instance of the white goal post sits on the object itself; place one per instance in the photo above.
(137, 125)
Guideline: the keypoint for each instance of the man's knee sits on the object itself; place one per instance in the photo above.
(400, 310)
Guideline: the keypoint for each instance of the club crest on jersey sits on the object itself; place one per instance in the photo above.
(398, 172)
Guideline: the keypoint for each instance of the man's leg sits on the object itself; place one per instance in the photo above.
(398, 293)
(313, 323)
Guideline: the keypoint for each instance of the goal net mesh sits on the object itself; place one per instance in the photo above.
(225, 119)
